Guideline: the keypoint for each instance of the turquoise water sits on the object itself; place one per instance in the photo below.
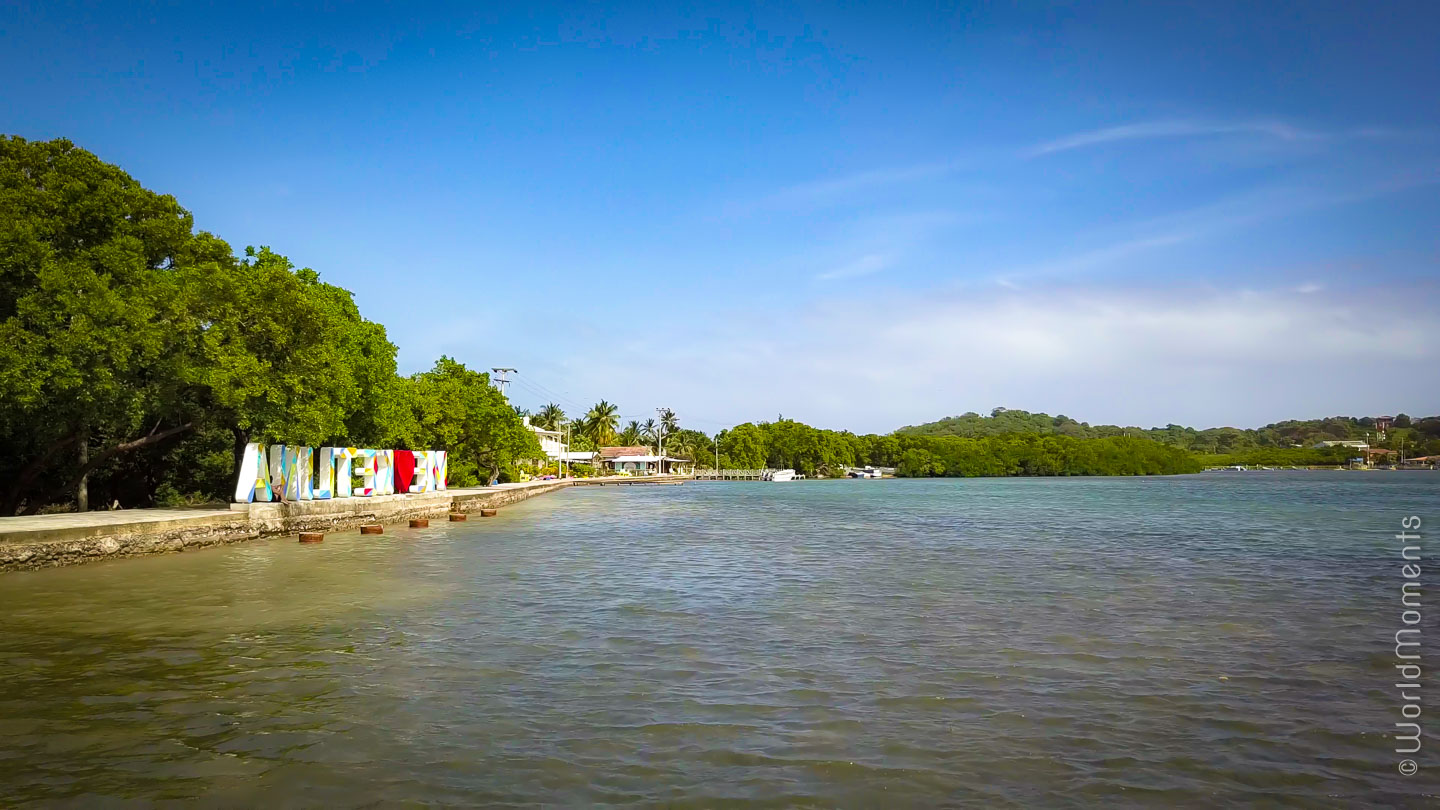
(1205, 640)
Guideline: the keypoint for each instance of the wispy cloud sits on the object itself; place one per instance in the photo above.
(1097, 258)
(1121, 354)
(826, 191)
(868, 245)
(1150, 130)
(1213, 219)
(855, 185)
(863, 266)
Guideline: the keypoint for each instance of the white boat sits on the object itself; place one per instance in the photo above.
(780, 475)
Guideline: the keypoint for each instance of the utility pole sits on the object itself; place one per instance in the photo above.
(502, 378)
(660, 429)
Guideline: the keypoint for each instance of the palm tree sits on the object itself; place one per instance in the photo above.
(549, 417)
(647, 431)
(631, 434)
(668, 422)
(580, 435)
(602, 420)
(682, 444)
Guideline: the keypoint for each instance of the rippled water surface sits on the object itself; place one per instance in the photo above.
(1189, 641)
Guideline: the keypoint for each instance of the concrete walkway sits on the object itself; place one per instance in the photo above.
(41, 541)
(86, 524)
(90, 524)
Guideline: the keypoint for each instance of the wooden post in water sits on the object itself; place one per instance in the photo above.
(373, 528)
(312, 537)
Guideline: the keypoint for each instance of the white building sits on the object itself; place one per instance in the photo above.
(638, 460)
(1355, 443)
(551, 441)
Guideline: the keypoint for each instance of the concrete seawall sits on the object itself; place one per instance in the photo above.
(44, 541)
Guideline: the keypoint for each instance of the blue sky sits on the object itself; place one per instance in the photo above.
(860, 216)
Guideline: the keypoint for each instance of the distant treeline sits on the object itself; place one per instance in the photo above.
(138, 355)
(1281, 457)
(789, 444)
(1415, 435)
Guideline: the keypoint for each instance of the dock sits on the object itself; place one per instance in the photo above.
(631, 481)
(730, 475)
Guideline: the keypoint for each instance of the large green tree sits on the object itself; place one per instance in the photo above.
(96, 348)
(142, 355)
(742, 448)
(458, 410)
(288, 358)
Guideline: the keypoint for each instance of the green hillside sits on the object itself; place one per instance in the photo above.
(1419, 435)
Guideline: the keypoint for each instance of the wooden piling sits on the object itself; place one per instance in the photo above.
(312, 537)
(373, 528)
(488, 513)
(456, 517)
(419, 523)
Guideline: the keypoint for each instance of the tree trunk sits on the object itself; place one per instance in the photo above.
(134, 444)
(33, 469)
(82, 492)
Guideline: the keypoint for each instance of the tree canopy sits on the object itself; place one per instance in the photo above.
(141, 355)
(459, 410)
(1295, 433)
(786, 443)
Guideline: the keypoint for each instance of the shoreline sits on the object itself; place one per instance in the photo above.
(74, 538)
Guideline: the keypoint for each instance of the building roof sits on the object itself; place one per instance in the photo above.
(578, 455)
(609, 453)
(1379, 451)
(647, 458)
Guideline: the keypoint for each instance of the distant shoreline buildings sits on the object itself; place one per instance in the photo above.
(627, 459)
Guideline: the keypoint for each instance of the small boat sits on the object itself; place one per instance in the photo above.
(780, 475)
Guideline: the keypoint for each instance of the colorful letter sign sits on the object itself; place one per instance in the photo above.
(254, 481)
(290, 473)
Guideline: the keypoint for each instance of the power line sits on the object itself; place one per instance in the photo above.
(545, 389)
(535, 391)
(544, 397)
(548, 395)
(537, 388)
